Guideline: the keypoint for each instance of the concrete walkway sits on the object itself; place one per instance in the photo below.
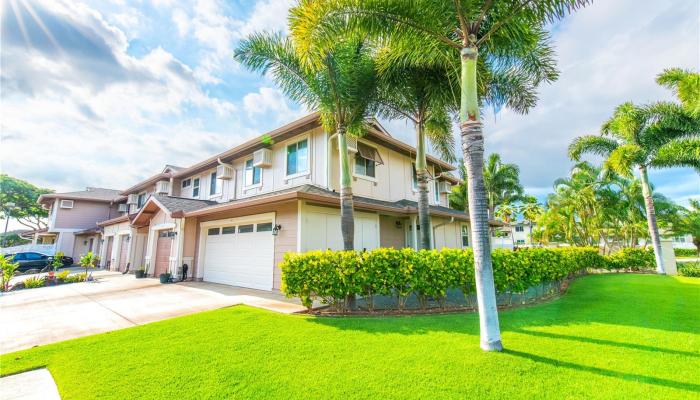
(34, 317)
(32, 385)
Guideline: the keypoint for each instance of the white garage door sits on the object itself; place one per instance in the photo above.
(321, 230)
(240, 254)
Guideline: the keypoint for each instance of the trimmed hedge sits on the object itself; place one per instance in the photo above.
(334, 276)
(690, 269)
(685, 252)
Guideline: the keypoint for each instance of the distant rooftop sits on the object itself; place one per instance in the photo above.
(90, 193)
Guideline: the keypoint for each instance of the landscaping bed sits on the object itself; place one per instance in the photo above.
(611, 336)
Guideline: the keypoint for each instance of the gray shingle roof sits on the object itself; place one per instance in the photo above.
(182, 204)
(99, 194)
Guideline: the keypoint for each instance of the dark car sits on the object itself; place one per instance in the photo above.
(29, 260)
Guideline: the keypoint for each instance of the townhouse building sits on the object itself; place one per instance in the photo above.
(231, 218)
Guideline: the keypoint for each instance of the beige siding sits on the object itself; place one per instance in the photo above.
(448, 235)
(83, 215)
(391, 234)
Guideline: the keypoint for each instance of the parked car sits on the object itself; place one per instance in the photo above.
(29, 260)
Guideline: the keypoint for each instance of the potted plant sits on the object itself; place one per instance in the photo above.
(140, 273)
(165, 278)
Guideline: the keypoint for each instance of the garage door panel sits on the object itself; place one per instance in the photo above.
(240, 259)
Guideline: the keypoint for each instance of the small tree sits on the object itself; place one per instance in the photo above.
(57, 260)
(8, 271)
(89, 260)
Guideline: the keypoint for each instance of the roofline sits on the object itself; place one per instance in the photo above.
(147, 182)
(306, 120)
(313, 118)
(48, 196)
(119, 219)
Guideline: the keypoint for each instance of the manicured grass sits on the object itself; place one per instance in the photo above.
(611, 336)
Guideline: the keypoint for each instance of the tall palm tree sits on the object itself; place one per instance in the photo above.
(422, 96)
(504, 54)
(685, 85)
(656, 135)
(501, 183)
(342, 88)
(531, 211)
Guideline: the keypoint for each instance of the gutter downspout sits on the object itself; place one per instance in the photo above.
(452, 219)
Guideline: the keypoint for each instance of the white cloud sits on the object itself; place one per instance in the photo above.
(269, 101)
(182, 21)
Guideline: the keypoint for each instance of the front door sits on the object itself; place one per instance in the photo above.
(163, 245)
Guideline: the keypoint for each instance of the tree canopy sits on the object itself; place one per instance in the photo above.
(24, 195)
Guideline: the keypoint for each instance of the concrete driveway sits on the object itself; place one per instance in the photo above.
(40, 316)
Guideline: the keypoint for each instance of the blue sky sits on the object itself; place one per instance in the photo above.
(104, 93)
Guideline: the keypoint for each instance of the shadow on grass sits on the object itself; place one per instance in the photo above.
(692, 387)
(605, 342)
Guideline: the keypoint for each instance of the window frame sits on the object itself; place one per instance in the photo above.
(214, 181)
(196, 183)
(464, 233)
(519, 228)
(60, 204)
(186, 183)
(139, 203)
(253, 184)
(359, 174)
(414, 177)
(298, 173)
(436, 190)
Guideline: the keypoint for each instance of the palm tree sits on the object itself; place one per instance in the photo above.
(504, 54)
(689, 223)
(502, 182)
(531, 211)
(685, 85)
(505, 212)
(656, 135)
(422, 96)
(342, 88)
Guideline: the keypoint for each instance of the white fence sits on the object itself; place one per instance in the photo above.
(48, 249)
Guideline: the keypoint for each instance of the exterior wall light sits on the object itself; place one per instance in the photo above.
(276, 230)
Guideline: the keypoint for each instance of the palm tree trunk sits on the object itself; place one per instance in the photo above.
(473, 152)
(651, 220)
(347, 218)
(422, 178)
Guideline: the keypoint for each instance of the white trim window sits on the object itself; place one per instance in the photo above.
(214, 187)
(298, 158)
(195, 188)
(66, 204)
(141, 200)
(186, 183)
(465, 235)
(366, 160)
(253, 174)
(519, 228)
(436, 191)
(414, 177)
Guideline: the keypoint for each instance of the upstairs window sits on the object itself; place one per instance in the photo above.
(186, 183)
(298, 157)
(66, 204)
(214, 187)
(195, 187)
(465, 236)
(366, 159)
(520, 228)
(414, 177)
(436, 191)
(252, 174)
(141, 200)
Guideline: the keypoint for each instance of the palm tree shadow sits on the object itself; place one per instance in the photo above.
(604, 342)
(692, 387)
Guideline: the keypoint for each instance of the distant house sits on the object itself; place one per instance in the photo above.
(73, 218)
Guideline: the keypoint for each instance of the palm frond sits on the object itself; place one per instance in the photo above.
(678, 153)
(597, 145)
(624, 158)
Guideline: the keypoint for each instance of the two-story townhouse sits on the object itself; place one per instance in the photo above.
(73, 217)
(232, 217)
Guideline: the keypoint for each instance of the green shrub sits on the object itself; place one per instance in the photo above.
(685, 252)
(632, 259)
(61, 276)
(332, 276)
(691, 269)
(34, 282)
(76, 278)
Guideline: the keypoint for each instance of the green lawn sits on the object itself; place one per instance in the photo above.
(611, 336)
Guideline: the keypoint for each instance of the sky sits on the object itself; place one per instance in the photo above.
(104, 93)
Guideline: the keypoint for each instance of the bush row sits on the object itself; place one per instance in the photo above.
(691, 269)
(686, 252)
(332, 276)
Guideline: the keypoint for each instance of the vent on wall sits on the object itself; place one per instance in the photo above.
(224, 171)
(132, 199)
(66, 204)
(262, 158)
(163, 187)
(352, 143)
